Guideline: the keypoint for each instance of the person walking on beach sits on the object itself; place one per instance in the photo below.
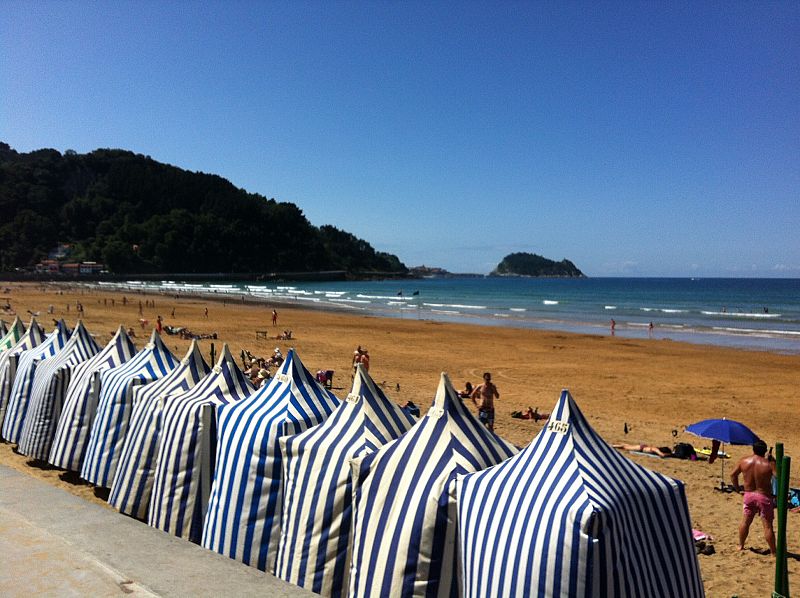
(484, 396)
(274, 317)
(757, 471)
(613, 326)
(650, 330)
(205, 313)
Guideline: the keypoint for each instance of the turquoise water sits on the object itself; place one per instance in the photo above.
(750, 313)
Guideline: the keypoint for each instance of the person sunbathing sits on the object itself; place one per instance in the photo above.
(530, 413)
(660, 451)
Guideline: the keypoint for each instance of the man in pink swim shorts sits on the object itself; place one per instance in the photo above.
(757, 471)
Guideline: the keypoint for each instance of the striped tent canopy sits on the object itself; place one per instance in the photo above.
(184, 468)
(12, 335)
(114, 405)
(317, 504)
(9, 360)
(133, 480)
(404, 526)
(244, 512)
(49, 388)
(570, 516)
(80, 404)
(29, 360)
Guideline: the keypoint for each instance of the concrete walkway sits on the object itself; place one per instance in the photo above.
(55, 544)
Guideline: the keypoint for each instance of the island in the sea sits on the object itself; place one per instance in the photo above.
(531, 264)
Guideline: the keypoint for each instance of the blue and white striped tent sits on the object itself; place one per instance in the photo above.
(404, 527)
(184, 469)
(133, 480)
(19, 399)
(9, 360)
(110, 425)
(12, 335)
(318, 492)
(49, 388)
(244, 513)
(80, 404)
(570, 516)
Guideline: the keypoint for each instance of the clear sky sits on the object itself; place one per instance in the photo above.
(653, 139)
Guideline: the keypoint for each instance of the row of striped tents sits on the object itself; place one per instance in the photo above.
(404, 525)
(184, 470)
(133, 480)
(49, 388)
(29, 360)
(80, 404)
(570, 516)
(244, 512)
(317, 505)
(12, 335)
(9, 360)
(110, 424)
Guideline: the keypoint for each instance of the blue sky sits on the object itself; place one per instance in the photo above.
(651, 139)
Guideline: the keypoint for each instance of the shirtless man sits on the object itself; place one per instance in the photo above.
(486, 393)
(757, 471)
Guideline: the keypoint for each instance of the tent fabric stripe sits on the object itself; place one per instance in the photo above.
(133, 481)
(569, 516)
(12, 335)
(317, 507)
(9, 361)
(114, 406)
(49, 387)
(244, 511)
(183, 473)
(80, 403)
(404, 510)
(19, 399)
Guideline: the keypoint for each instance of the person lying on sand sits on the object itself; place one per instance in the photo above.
(661, 451)
(530, 413)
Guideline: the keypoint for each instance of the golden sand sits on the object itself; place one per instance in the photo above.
(653, 386)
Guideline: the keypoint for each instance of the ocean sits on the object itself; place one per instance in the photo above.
(738, 312)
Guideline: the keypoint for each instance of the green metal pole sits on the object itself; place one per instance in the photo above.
(778, 469)
(781, 562)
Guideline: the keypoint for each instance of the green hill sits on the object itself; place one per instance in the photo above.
(531, 264)
(137, 215)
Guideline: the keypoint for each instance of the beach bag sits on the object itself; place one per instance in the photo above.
(684, 450)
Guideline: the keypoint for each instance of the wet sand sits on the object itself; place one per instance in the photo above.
(653, 386)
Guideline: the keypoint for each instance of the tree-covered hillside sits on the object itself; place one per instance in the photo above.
(531, 264)
(137, 215)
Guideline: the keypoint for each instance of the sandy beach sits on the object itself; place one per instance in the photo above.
(653, 386)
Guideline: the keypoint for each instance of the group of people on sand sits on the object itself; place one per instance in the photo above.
(757, 471)
(257, 368)
(361, 356)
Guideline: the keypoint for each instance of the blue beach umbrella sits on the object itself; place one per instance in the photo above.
(727, 431)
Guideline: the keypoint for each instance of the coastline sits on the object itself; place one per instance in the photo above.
(679, 312)
(652, 386)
